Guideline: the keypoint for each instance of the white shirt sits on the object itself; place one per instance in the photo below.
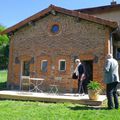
(76, 69)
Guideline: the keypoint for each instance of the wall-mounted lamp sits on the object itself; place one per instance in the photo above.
(53, 12)
(32, 23)
(95, 59)
(32, 60)
(74, 57)
(17, 61)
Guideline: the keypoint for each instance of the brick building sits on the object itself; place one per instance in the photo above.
(46, 44)
(109, 12)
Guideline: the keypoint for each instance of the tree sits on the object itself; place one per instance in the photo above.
(4, 40)
(4, 49)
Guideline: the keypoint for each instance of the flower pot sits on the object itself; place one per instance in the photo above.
(93, 94)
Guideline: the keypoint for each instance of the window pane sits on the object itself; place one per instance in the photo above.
(55, 28)
(118, 53)
(62, 65)
(44, 66)
(26, 68)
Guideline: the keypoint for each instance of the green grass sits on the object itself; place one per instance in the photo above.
(3, 76)
(3, 79)
(26, 110)
(19, 110)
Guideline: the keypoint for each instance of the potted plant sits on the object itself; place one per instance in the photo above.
(93, 90)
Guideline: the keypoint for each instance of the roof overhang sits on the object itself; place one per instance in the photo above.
(100, 9)
(51, 8)
(116, 34)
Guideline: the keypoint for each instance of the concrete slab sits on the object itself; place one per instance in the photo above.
(47, 97)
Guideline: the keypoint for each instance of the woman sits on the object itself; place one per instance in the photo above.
(80, 72)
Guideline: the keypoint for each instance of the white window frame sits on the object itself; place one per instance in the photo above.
(42, 64)
(59, 65)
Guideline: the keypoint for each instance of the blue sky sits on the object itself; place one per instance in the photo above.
(14, 11)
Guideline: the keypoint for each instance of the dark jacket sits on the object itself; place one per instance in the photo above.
(81, 70)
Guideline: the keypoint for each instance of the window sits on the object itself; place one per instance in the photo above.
(62, 65)
(26, 68)
(44, 64)
(118, 53)
(55, 28)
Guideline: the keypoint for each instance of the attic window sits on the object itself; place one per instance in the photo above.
(55, 28)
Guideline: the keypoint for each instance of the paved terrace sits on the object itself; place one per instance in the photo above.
(55, 98)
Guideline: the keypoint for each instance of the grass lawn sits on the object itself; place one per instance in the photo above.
(3, 79)
(3, 76)
(26, 110)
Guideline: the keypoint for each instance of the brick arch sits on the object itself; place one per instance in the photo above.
(25, 57)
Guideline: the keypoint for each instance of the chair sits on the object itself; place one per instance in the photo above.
(25, 83)
(54, 88)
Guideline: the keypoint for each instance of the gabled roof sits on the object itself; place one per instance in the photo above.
(100, 9)
(44, 12)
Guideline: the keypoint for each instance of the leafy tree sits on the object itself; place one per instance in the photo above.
(3, 38)
(4, 49)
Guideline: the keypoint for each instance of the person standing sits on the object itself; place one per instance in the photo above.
(111, 79)
(80, 72)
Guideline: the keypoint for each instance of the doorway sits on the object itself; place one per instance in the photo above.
(24, 71)
(88, 65)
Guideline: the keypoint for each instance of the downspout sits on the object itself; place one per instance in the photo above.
(111, 43)
(111, 40)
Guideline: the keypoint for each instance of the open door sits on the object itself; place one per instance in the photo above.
(25, 71)
(88, 64)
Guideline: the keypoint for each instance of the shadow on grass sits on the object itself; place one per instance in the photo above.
(3, 85)
(87, 108)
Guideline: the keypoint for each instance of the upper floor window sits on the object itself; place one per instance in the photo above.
(55, 28)
(62, 65)
(26, 68)
(44, 64)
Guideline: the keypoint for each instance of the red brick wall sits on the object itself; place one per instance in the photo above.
(82, 38)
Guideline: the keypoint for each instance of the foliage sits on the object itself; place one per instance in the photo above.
(4, 49)
(93, 85)
(3, 38)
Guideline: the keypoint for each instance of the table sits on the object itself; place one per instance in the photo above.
(36, 82)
